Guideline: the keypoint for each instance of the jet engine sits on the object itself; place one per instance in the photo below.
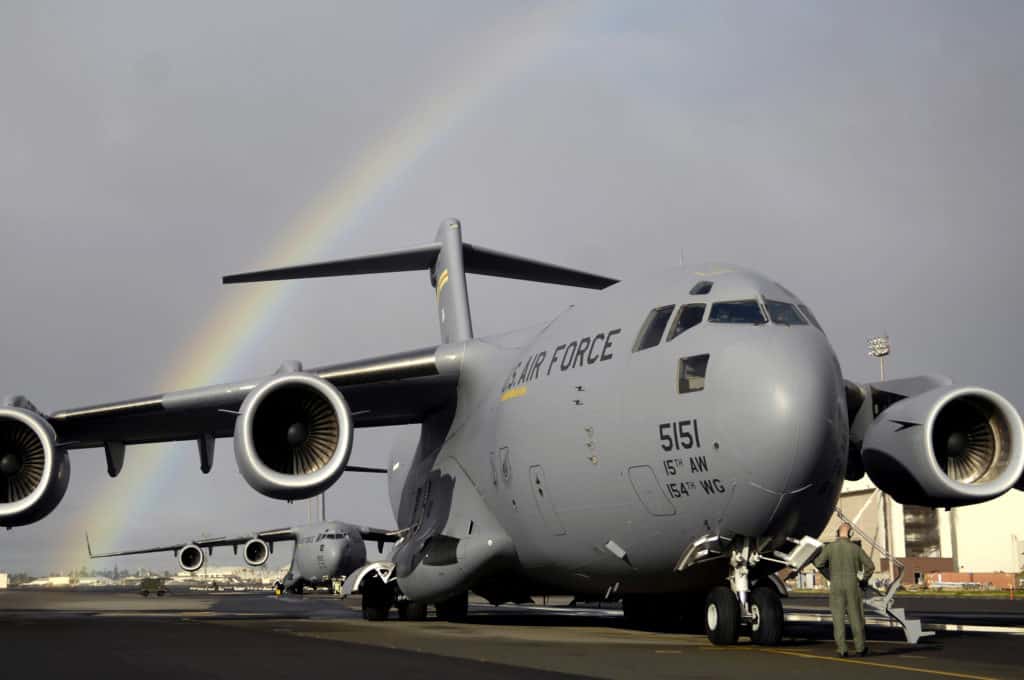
(256, 552)
(293, 436)
(191, 558)
(34, 470)
(946, 447)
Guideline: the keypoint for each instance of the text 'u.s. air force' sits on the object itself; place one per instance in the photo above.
(585, 351)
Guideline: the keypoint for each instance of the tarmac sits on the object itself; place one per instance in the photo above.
(86, 634)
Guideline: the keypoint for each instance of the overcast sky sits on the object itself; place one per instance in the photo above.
(867, 155)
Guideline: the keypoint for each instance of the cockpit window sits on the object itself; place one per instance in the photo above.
(701, 288)
(784, 313)
(653, 328)
(688, 317)
(740, 311)
(810, 317)
(692, 373)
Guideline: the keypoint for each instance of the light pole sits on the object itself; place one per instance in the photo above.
(879, 346)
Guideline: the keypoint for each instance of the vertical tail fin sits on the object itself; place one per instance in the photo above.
(449, 278)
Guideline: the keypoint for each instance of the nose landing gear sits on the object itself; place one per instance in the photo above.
(730, 610)
(766, 617)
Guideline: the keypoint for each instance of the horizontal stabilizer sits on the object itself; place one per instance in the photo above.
(407, 260)
(494, 263)
(477, 260)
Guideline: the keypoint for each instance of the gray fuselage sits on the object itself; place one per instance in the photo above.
(323, 552)
(586, 465)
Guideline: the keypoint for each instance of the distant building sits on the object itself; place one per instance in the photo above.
(959, 580)
(979, 538)
(3, 581)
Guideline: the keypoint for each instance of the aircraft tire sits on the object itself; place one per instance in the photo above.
(454, 608)
(412, 611)
(145, 593)
(377, 600)
(768, 617)
(722, 616)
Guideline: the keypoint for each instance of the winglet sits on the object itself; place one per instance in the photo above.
(87, 546)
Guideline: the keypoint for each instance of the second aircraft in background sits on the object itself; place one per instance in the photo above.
(324, 552)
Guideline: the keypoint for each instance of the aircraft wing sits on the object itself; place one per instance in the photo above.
(271, 536)
(395, 389)
(381, 536)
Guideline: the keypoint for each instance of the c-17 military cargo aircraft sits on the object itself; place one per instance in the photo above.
(673, 441)
(323, 552)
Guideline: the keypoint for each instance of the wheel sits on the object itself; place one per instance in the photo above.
(377, 600)
(145, 593)
(454, 608)
(412, 611)
(161, 593)
(766, 617)
(722, 616)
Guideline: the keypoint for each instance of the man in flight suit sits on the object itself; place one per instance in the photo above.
(846, 567)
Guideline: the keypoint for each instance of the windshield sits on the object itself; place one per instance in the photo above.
(810, 317)
(740, 311)
(784, 313)
(688, 317)
(653, 328)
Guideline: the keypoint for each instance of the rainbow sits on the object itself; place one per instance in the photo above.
(215, 352)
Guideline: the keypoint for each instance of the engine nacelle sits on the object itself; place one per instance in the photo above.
(946, 447)
(256, 552)
(34, 471)
(293, 436)
(191, 557)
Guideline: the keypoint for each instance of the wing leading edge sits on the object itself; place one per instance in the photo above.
(394, 389)
(379, 536)
(271, 536)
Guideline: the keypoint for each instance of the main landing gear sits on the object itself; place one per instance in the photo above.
(377, 599)
(454, 608)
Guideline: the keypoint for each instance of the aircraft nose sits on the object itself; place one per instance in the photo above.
(781, 421)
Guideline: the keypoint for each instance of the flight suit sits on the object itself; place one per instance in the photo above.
(840, 561)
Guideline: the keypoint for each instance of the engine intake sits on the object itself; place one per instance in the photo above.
(191, 558)
(293, 437)
(256, 552)
(946, 447)
(34, 471)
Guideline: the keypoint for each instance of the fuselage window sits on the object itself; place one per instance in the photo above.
(692, 373)
(740, 311)
(653, 328)
(784, 313)
(810, 317)
(688, 317)
(701, 288)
